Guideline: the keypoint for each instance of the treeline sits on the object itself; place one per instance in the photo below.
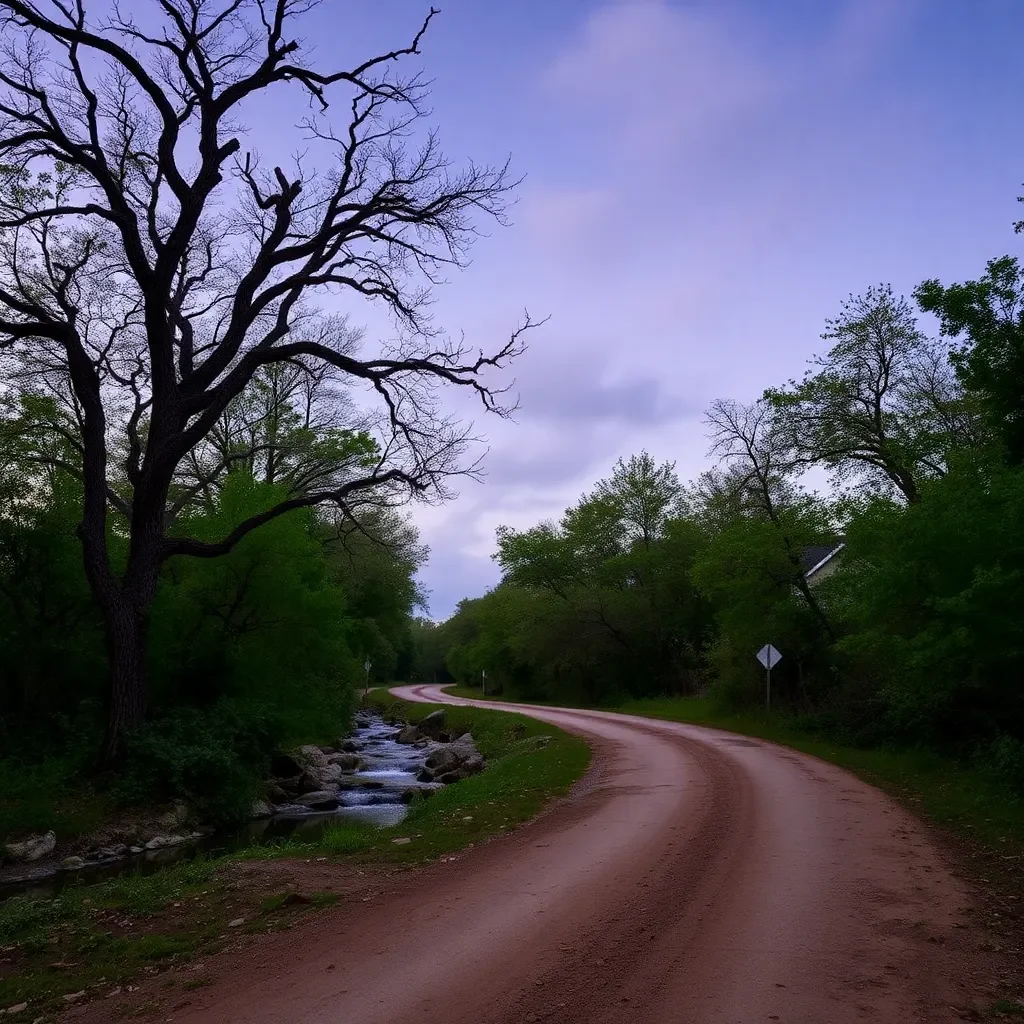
(648, 586)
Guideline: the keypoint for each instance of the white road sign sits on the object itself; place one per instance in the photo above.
(769, 656)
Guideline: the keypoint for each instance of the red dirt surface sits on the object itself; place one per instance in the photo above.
(694, 876)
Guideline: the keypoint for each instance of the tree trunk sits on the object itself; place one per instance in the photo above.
(126, 646)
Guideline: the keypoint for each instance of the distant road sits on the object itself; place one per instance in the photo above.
(692, 877)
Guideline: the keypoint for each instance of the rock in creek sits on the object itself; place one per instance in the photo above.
(33, 848)
(317, 777)
(346, 761)
(324, 800)
(456, 760)
(112, 852)
(408, 734)
(162, 842)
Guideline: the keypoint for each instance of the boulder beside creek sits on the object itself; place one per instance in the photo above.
(434, 724)
(261, 809)
(324, 800)
(31, 849)
(317, 777)
(408, 734)
(456, 760)
(313, 756)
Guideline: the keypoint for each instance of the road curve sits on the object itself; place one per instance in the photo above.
(694, 876)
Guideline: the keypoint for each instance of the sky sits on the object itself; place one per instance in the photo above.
(705, 182)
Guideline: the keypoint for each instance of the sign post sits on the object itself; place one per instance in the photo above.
(483, 681)
(769, 657)
(367, 666)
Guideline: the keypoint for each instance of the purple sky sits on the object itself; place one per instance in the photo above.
(706, 181)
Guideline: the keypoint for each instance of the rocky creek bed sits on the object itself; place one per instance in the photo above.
(371, 776)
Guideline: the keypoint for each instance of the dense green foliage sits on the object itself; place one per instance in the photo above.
(258, 649)
(646, 588)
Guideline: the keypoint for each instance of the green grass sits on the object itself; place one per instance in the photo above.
(475, 693)
(86, 932)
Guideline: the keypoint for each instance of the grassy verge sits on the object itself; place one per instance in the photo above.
(100, 936)
(91, 940)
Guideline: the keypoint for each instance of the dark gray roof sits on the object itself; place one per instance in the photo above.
(811, 557)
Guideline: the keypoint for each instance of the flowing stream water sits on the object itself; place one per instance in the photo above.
(373, 794)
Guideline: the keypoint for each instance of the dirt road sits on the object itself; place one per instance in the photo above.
(694, 877)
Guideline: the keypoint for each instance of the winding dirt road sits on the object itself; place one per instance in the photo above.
(693, 877)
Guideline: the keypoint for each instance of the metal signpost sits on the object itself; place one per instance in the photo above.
(483, 681)
(769, 657)
(367, 666)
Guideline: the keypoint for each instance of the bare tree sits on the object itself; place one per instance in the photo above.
(758, 462)
(151, 267)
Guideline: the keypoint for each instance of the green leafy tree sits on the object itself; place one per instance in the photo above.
(989, 315)
(610, 592)
(747, 573)
(881, 408)
(932, 608)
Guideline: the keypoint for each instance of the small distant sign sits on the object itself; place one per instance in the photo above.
(769, 656)
(366, 665)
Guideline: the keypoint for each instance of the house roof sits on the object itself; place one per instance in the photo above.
(817, 555)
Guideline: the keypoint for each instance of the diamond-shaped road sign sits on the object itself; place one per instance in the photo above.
(769, 656)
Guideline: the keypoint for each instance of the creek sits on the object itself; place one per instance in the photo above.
(372, 794)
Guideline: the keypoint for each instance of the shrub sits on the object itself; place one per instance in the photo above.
(215, 759)
(1003, 761)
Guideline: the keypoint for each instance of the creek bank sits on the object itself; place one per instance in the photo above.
(371, 776)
